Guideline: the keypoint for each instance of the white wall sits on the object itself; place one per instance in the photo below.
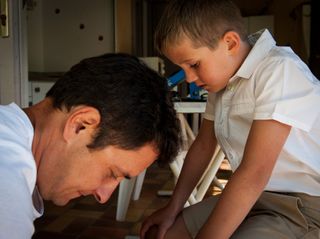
(56, 41)
(35, 38)
(6, 70)
(13, 58)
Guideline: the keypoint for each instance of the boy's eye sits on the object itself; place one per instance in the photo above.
(194, 65)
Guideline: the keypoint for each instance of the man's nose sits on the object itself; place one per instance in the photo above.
(103, 193)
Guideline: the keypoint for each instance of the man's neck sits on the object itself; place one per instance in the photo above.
(39, 115)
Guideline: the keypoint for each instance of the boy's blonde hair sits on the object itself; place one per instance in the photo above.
(204, 22)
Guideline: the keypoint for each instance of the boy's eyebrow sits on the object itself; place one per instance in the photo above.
(186, 61)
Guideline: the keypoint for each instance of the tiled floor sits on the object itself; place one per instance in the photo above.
(84, 218)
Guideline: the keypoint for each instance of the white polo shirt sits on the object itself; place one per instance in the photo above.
(272, 83)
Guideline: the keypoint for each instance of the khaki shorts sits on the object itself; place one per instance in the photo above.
(275, 215)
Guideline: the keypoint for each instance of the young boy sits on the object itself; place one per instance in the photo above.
(262, 110)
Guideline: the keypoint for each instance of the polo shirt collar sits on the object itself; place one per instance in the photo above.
(262, 42)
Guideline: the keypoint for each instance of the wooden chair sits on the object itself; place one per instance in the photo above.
(209, 175)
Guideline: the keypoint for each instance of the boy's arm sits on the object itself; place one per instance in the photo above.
(197, 159)
(195, 163)
(265, 141)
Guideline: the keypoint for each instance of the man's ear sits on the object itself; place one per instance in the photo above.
(232, 40)
(81, 119)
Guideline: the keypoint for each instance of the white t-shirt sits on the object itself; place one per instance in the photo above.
(272, 83)
(20, 202)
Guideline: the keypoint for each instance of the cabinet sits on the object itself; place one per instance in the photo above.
(39, 85)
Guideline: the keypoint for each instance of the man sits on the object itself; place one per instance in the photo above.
(106, 119)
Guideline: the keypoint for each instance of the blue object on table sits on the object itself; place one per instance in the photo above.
(178, 78)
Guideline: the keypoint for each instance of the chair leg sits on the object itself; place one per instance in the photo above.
(138, 185)
(217, 183)
(125, 191)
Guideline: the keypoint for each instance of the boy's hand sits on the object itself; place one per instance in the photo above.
(158, 223)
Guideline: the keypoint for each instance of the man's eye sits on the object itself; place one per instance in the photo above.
(114, 176)
(117, 177)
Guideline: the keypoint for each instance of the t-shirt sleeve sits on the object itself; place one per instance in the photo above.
(287, 92)
(209, 112)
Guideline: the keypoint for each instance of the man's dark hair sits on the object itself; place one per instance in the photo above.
(133, 101)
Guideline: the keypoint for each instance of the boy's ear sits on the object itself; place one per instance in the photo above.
(232, 41)
(81, 120)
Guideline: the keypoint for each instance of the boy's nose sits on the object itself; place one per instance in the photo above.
(191, 77)
(103, 193)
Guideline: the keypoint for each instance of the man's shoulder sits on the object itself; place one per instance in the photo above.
(17, 165)
(15, 128)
